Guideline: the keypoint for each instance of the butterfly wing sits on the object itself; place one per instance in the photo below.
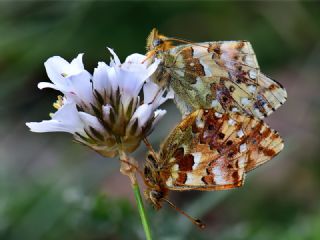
(224, 76)
(213, 151)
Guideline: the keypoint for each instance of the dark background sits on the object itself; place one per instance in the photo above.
(52, 188)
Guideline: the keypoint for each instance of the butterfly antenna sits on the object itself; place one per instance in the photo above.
(193, 220)
(183, 41)
(178, 40)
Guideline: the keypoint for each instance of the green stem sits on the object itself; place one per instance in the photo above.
(142, 212)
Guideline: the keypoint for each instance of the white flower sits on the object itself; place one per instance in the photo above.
(106, 111)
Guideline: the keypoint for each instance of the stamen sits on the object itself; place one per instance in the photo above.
(58, 103)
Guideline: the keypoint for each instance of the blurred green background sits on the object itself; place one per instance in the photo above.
(51, 188)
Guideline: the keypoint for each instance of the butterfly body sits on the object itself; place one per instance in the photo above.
(209, 151)
(223, 75)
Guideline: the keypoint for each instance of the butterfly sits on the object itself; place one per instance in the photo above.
(208, 151)
(223, 75)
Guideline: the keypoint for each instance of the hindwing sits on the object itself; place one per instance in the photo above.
(209, 150)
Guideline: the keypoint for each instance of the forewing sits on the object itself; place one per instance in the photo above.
(212, 151)
(224, 76)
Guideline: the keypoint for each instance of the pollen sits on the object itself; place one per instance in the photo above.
(58, 103)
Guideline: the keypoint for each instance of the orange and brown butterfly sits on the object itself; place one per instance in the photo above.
(209, 151)
(223, 75)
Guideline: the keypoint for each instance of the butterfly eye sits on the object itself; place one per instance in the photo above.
(157, 42)
(156, 195)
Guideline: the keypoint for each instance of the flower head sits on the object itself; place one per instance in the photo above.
(109, 111)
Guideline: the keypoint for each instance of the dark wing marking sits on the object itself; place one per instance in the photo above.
(217, 80)
(212, 151)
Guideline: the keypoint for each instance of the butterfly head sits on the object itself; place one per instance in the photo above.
(157, 42)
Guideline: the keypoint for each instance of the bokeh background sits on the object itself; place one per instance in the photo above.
(52, 188)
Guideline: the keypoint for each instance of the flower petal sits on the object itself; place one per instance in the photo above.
(100, 77)
(77, 63)
(131, 82)
(160, 99)
(158, 114)
(80, 86)
(135, 58)
(66, 119)
(153, 67)
(58, 68)
(42, 85)
(91, 121)
(143, 114)
(60, 71)
(150, 90)
(115, 61)
(55, 67)
(113, 79)
(106, 110)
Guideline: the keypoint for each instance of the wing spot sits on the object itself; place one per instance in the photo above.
(245, 101)
(196, 159)
(229, 142)
(221, 135)
(249, 60)
(214, 103)
(243, 147)
(208, 180)
(169, 182)
(224, 99)
(252, 88)
(231, 122)
(252, 74)
(230, 154)
(240, 133)
(182, 178)
(269, 152)
(235, 175)
(186, 163)
(218, 115)
(199, 122)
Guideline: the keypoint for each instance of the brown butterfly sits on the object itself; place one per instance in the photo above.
(209, 151)
(223, 75)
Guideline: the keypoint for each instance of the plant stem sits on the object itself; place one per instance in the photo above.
(142, 212)
(129, 168)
